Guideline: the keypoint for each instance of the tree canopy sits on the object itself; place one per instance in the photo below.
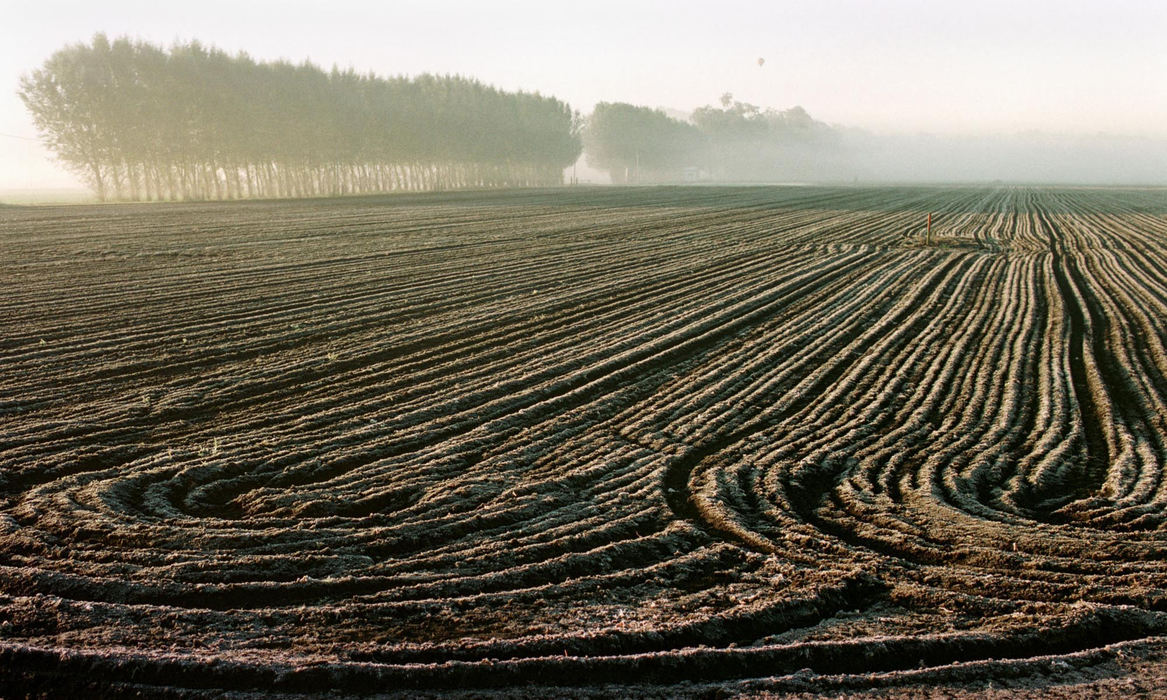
(137, 121)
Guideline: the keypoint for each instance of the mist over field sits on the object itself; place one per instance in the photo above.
(911, 91)
(733, 141)
(1019, 158)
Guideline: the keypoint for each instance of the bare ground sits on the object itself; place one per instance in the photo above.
(669, 442)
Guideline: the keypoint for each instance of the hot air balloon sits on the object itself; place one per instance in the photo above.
(761, 62)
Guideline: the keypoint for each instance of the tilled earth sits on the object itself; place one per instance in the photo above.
(587, 442)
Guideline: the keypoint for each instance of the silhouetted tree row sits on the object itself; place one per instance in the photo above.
(733, 142)
(140, 122)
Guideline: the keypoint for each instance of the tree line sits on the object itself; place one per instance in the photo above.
(733, 142)
(139, 122)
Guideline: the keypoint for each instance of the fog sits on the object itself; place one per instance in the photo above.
(1041, 91)
(1019, 158)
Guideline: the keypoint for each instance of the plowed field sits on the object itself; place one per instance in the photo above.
(568, 442)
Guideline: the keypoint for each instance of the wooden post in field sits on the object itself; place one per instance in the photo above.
(929, 239)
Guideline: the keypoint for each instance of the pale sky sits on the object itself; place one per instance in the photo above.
(937, 66)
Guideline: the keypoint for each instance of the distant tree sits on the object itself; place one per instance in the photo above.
(736, 142)
(637, 144)
(749, 143)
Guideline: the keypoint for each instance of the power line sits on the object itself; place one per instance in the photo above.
(22, 138)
